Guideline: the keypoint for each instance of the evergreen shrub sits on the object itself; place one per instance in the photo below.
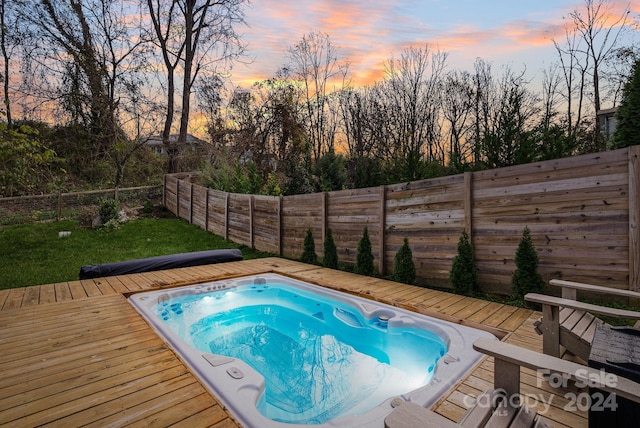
(309, 249)
(526, 278)
(404, 270)
(464, 275)
(364, 257)
(330, 259)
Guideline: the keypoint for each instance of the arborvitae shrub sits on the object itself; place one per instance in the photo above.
(330, 251)
(364, 258)
(309, 250)
(464, 275)
(526, 278)
(404, 270)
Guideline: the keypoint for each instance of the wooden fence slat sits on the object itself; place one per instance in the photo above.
(382, 220)
(634, 218)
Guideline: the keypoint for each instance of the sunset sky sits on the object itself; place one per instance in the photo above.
(368, 32)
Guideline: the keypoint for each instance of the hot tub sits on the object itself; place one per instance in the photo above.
(279, 352)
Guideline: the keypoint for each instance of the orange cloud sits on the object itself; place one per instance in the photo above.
(369, 33)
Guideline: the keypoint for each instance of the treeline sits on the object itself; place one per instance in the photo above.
(307, 129)
(107, 75)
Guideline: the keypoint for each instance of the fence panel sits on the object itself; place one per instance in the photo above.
(266, 223)
(199, 206)
(576, 209)
(348, 212)
(171, 192)
(217, 220)
(299, 213)
(239, 226)
(430, 214)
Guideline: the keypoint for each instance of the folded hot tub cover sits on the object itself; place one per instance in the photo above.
(149, 264)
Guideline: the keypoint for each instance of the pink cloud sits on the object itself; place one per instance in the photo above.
(369, 33)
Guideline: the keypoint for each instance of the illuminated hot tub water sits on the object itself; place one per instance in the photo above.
(280, 352)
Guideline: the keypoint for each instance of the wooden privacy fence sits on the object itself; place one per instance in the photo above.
(583, 214)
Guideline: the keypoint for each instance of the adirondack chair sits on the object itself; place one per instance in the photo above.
(507, 362)
(571, 324)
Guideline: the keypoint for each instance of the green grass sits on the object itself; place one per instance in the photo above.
(34, 254)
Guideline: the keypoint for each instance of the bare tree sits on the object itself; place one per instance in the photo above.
(574, 70)
(316, 65)
(91, 43)
(600, 36)
(7, 42)
(413, 83)
(83, 59)
(550, 94)
(196, 35)
(483, 98)
(592, 36)
(457, 109)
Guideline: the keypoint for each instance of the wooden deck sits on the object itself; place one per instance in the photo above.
(76, 353)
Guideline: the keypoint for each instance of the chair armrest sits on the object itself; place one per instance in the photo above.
(594, 288)
(522, 357)
(587, 307)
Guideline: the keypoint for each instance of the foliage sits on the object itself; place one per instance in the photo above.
(364, 257)
(331, 170)
(526, 278)
(148, 208)
(409, 167)
(418, 121)
(464, 275)
(26, 164)
(554, 143)
(108, 210)
(309, 249)
(297, 170)
(330, 259)
(364, 171)
(404, 270)
(509, 141)
(34, 254)
(272, 187)
(232, 176)
(628, 115)
(111, 225)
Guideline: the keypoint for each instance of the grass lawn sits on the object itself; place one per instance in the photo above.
(33, 254)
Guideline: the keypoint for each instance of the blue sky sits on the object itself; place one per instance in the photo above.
(514, 33)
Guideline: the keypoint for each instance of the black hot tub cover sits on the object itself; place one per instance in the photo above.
(149, 264)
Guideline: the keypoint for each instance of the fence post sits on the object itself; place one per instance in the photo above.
(191, 203)
(634, 219)
(115, 193)
(324, 216)
(164, 190)
(226, 216)
(382, 215)
(280, 202)
(468, 204)
(177, 197)
(206, 210)
(59, 214)
(251, 202)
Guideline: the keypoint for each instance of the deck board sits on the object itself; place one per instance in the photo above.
(76, 353)
(14, 299)
(4, 293)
